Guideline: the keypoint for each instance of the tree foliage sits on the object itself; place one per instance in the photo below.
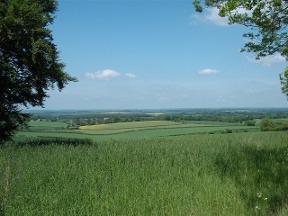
(267, 20)
(29, 60)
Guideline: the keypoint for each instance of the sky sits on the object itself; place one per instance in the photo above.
(158, 54)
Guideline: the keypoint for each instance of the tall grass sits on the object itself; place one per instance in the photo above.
(223, 174)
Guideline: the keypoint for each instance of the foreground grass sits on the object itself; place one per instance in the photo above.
(220, 174)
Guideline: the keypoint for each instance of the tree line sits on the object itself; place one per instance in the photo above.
(249, 118)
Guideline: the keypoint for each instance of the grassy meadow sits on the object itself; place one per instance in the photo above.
(242, 173)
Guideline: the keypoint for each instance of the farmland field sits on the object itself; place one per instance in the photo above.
(45, 125)
(142, 129)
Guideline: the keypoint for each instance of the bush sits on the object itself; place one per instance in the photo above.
(228, 131)
(250, 123)
(267, 125)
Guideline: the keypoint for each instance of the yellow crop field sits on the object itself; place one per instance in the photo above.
(129, 125)
(147, 127)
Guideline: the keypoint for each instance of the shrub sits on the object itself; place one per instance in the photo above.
(250, 123)
(267, 125)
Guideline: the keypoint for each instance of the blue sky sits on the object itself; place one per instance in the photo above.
(135, 54)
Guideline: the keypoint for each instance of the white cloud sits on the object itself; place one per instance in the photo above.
(211, 16)
(208, 71)
(220, 99)
(130, 75)
(268, 60)
(106, 74)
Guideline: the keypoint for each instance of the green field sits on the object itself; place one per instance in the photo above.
(116, 128)
(145, 168)
(46, 125)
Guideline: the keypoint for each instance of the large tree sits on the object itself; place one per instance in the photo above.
(267, 20)
(29, 60)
